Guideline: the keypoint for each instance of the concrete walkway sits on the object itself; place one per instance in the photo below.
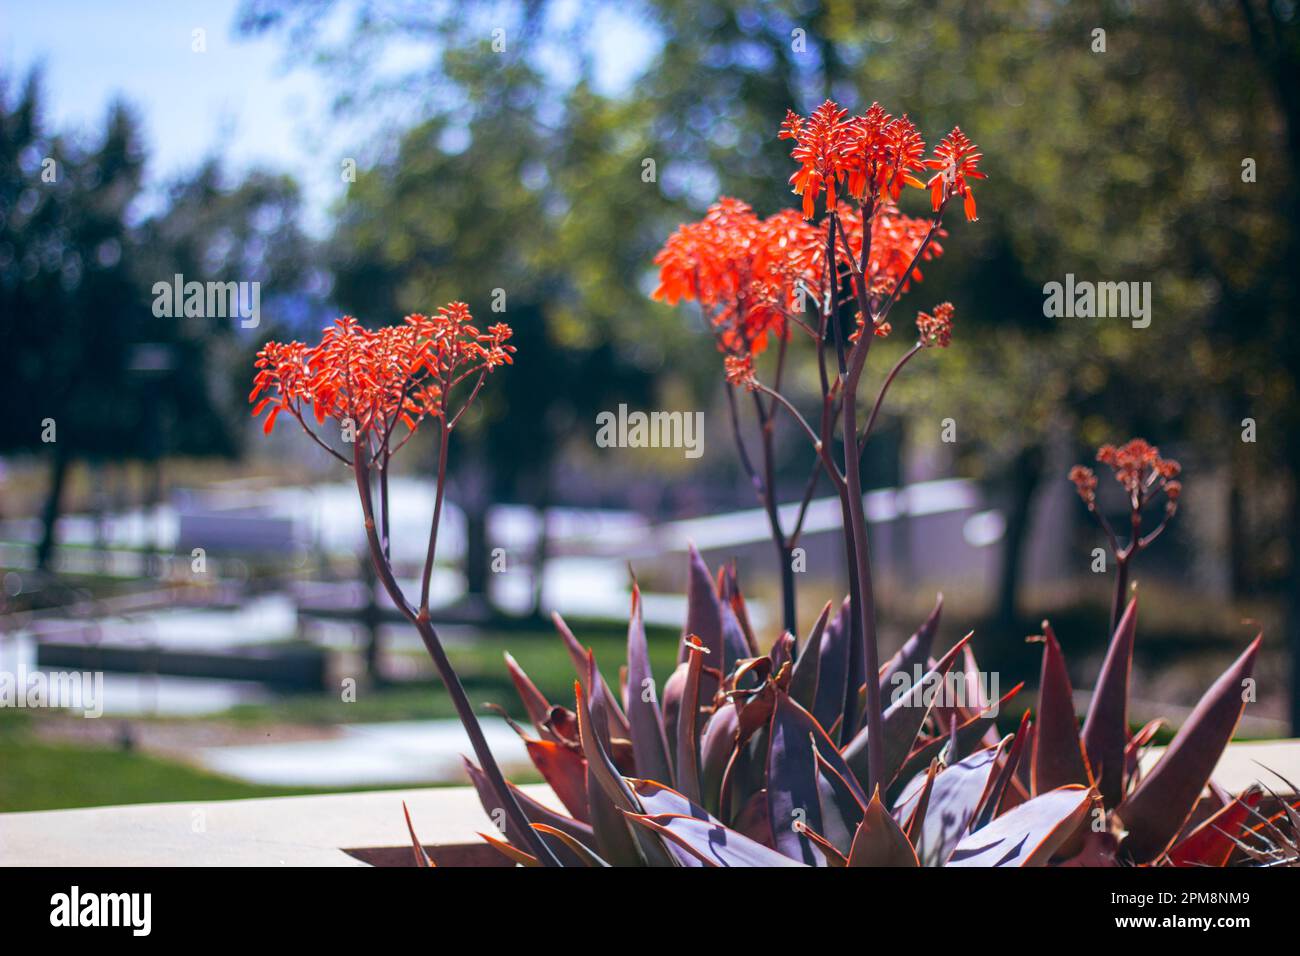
(367, 755)
(280, 831)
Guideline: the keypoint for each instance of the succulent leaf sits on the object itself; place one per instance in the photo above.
(492, 806)
(1212, 843)
(417, 848)
(915, 650)
(902, 720)
(645, 719)
(1029, 834)
(803, 680)
(879, 840)
(793, 800)
(716, 748)
(955, 798)
(595, 683)
(688, 723)
(580, 850)
(1156, 809)
(832, 670)
(564, 770)
(1105, 729)
(1058, 754)
(711, 843)
(535, 703)
(967, 737)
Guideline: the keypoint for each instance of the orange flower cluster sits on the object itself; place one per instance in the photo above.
(935, 330)
(746, 271)
(955, 158)
(1085, 483)
(739, 370)
(1138, 467)
(872, 156)
(743, 270)
(375, 379)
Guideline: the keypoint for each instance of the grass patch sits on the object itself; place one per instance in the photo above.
(482, 670)
(48, 776)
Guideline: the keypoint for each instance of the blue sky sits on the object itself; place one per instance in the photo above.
(238, 99)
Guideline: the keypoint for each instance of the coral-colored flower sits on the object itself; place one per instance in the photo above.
(873, 155)
(1137, 464)
(740, 371)
(1173, 491)
(818, 149)
(1139, 468)
(955, 158)
(1143, 474)
(371, 380)
(1085, 483)
(880, 154)
(744, 271)
(935, 331)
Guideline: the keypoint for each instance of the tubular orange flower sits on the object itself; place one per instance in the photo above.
(1143, 474)
(956, 158)
(880, 154)
(374, 379)
(744, 271)
(819, 142)
(875, 153)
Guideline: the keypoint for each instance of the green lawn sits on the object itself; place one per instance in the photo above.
(40, 775)
(482, 670)
(35, 775)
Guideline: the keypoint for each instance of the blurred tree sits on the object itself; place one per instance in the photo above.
(70, 308)
(535, 208)
(1116, 136)
(212, 226)
(88, 371)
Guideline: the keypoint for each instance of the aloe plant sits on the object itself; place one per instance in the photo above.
(747, 764)
(787, 753)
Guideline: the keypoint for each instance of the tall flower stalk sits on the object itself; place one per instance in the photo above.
(1145, 478)
(741, 271)
(753, 277)
(379, 387)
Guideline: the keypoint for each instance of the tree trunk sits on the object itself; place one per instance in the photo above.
(476, 551)
(53, 504)
(1026, 472)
